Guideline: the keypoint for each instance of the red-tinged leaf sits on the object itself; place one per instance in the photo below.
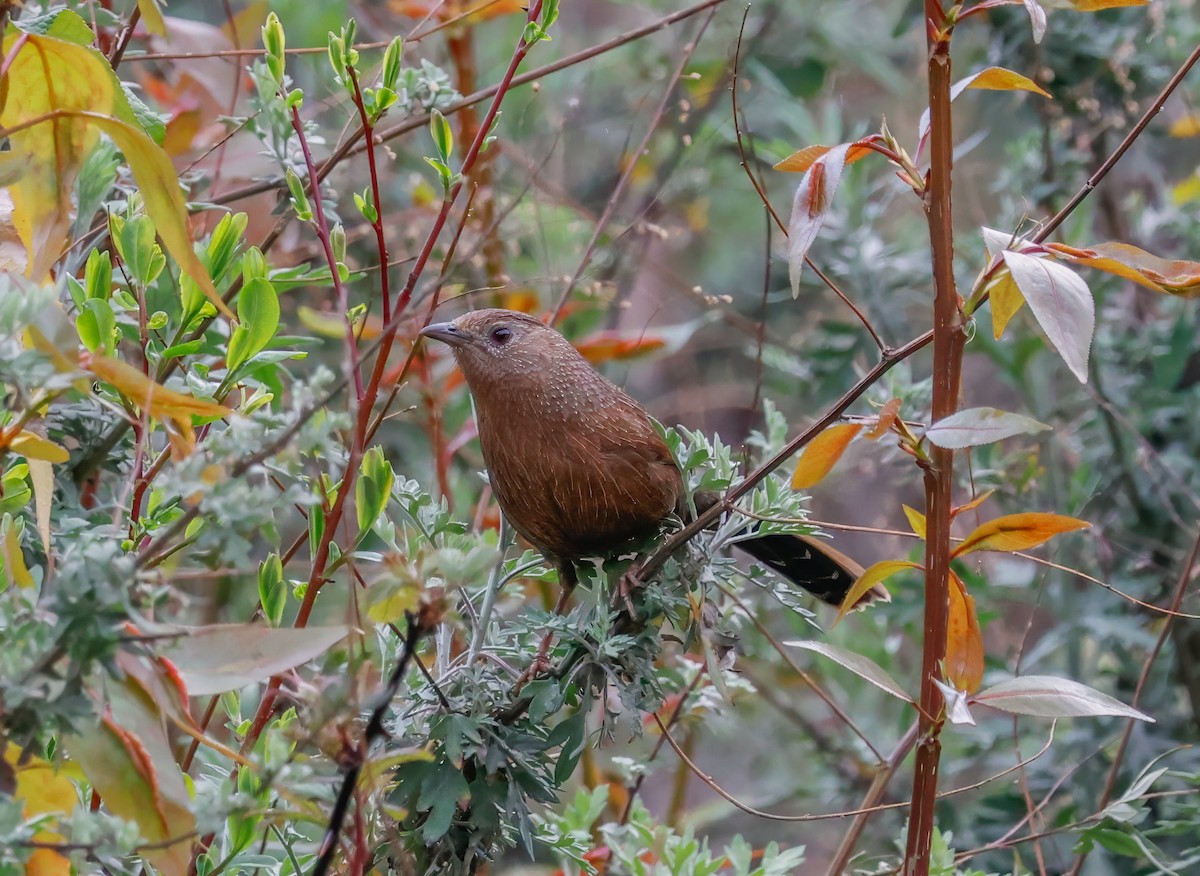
(822, 453)
(973, 504)
(976, 426)
(801, 160)
(813, 196)
(916, 520)
(861, 666)
(873, 575)
(1006, 299)
(610, 347)
(887, 416)
(1062, 304)
(1018, 532)
(130, 764)
(964, 641)
(1044, 696)
(224, 657)
(987, 79)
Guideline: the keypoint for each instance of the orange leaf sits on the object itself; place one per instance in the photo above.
(822, 453)
(801, 160)
(887, 416)
(874, 574)
(1177, 276)
(609, 346)
(42, 790)
(999, 79)
(964, 641)
(1017, 532)
(973, 504)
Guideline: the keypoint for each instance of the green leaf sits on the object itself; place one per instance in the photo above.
(96, 325)
(271, 592)
(258, 320)
(443, 135)
(392, 56)
(373, 488)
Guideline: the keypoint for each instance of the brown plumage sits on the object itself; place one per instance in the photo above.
(576, 464)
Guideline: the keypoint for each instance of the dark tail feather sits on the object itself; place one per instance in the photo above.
(809, 563)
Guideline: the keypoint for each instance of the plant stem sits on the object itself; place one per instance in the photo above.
(948, 343)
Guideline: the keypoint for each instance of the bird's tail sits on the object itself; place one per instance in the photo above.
(807, 562)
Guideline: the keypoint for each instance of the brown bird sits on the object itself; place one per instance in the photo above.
(576, 464)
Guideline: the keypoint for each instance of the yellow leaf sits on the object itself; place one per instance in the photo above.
(973, 504)
(874, 574)
(1185, 126)
(162, 403)
(1001, 79)
(152, 17)
(331, 325)
(42, 791)
(10, 553)
(1006, 300)
(1097, 5)
(1188, 190)
(916, 520)
(964, 641)
(1017, 532)
(34, 446)
(48, 77)
(822, 453)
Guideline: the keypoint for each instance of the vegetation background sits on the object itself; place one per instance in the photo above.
(618, 191)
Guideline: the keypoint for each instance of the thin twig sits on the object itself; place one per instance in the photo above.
(372, 733)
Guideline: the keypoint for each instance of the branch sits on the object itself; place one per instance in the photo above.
(373, 732)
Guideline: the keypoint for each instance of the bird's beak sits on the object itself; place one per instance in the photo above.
(447, 333)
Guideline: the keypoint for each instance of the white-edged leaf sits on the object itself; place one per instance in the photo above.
(810, 206)
(1045, 696)
(861, 666)
(223, 657)
(1037, 18)
(957, 710)
(997, 242)
(1062, 304)
(976, 426)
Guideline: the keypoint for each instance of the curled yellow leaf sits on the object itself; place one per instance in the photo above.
(1017, 532)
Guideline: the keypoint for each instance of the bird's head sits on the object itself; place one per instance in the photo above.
(501, 345)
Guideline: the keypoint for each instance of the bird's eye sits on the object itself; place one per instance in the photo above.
(501, 335)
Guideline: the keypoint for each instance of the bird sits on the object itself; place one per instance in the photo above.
(577, 465)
